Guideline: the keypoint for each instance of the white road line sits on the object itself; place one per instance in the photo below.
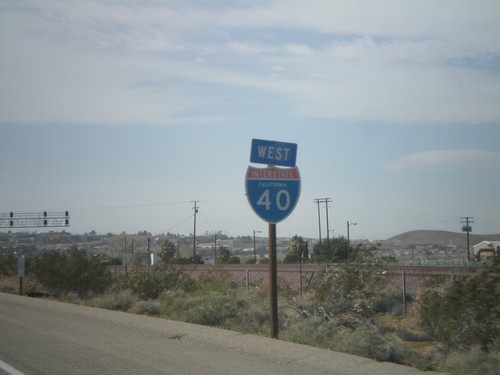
(9, 369)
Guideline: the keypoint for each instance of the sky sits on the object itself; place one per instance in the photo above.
(125, 112)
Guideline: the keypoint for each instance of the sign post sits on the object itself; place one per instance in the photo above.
(273, 283)
(273, 193)
(20, 273)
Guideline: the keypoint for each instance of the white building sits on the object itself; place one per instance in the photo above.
(486, 250)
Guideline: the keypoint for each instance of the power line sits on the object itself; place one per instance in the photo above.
(128, 206)
(176, 225)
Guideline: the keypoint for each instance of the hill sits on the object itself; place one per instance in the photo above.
(439, 237)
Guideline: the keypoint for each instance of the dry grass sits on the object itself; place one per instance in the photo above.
(410, 332)
(9, 284)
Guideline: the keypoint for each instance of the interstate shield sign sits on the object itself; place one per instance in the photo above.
(272, 192)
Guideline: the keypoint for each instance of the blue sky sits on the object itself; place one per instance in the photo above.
(125, 112)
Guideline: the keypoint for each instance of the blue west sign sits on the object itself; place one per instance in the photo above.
(273, 153)
(272, 192)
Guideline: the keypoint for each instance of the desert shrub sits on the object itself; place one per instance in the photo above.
(434, 281)
(217, 280)
(146, 308)
(368, 341)
(473, 361)
(352, 283)
(216, 300)
(253, 317)
(467, 314)
(388, 301)
(151, 285)
(313, 331)
(351, 334)
(122, 300)
(214, 309)
(7, 289)
(70, 297)
(206, 308)
(7, 264)
(62, 273)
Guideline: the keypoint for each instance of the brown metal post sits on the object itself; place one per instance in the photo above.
(273, 282)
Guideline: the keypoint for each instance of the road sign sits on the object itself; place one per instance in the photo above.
(272, 192)
(20, 266)
(273, 153)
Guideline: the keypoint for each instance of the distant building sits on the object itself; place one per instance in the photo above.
(155, 259)
(486, 251)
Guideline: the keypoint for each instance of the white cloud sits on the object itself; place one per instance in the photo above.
(447, 160)
(357, 60)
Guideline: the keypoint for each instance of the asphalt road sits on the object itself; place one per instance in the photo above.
(40, 336)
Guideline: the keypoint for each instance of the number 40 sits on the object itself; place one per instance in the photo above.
(265, 200)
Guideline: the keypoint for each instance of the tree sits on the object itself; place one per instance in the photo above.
(297, 250)
(75, 271)
(167, 251)
(224, 256)
(332, 250)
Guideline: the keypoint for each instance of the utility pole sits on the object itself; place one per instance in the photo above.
(318, 201)
(149, 254)
(467, 228)
(254, 247)
(195, 208)
(348, 239)
(325, 201)
(215, 248)
(125, 254)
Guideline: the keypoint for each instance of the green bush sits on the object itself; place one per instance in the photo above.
(467, 314)
(151, 285)
(313, 331)
(253, 317)
(214, 309)
(368, 341)
(388, 301)
(215, 299)
(7, 264)
(348, 284)
(206, 308)
(62, 273)
(216, 280)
